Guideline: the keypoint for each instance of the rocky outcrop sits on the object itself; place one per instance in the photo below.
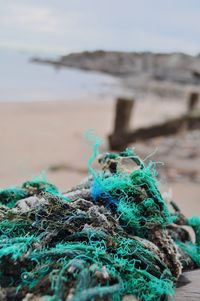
(138, 69)
(175, 66)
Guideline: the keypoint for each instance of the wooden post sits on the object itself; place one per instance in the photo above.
(123, 115)
(193, 101)
(123, 112)
(189, 121)
(122, 135)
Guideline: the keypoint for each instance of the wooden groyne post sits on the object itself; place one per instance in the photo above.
(123, 112)
(123, 135)
(193, 101)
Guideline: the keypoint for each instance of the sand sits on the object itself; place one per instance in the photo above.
(48, 137)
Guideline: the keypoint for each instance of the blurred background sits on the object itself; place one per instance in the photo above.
(64, 64)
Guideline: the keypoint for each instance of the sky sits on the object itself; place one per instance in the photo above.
(63, 26)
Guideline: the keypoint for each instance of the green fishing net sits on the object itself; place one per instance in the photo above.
(110, 236)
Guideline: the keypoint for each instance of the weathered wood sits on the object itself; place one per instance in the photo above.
(193, 101)
(189, 288)
(123, 112)
(196, 74)
(189, 121)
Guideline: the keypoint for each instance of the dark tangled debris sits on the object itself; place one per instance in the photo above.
(110, 236)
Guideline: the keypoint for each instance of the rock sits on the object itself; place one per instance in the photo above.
(139, 70)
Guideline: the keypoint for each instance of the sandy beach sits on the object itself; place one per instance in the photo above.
(47, 137)
(99, 150)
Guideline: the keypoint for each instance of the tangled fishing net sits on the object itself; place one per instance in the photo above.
(110, 236)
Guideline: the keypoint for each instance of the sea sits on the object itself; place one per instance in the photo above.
(24, 81)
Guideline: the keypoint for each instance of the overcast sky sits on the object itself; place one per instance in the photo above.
(61, 26)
